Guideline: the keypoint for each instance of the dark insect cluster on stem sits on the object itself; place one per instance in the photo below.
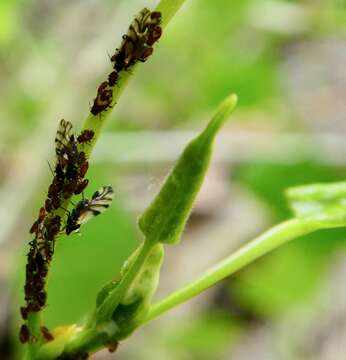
(72, 164)
(137, 45)
(69, 177)
(69, 172)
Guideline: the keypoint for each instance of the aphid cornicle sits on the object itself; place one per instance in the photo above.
(86, 209)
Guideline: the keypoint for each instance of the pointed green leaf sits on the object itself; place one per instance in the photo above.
(165, 218)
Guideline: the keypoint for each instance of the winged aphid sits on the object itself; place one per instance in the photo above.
(87, 209)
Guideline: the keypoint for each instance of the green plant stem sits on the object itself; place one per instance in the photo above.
(92, 337)
(34, 325)
(107, 308)
(256, 248)
(168, 8)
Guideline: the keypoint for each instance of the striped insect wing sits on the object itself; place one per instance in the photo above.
(85, 216)
(103, 196)
(62, 136)
(87, 209)
(99, 202)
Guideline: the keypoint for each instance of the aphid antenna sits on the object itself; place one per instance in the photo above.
(109, 56)
(50, 167)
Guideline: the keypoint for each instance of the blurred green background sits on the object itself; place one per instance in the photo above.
(286, 61)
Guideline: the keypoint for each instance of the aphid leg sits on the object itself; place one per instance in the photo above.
(60, 207)
(50, 167)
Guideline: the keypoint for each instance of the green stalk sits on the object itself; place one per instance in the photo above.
(256, 248)
(168, 8)
(106, 310)
(34, 324)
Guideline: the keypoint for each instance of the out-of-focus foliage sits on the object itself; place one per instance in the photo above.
(205, 338)
(291, 275)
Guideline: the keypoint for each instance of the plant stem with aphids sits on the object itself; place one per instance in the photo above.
(108, 94)
(124, 305)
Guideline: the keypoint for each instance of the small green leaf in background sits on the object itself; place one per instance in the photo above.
(205, 337)
(326, 202)
(292, 275)
(164, 220)
(8, 19)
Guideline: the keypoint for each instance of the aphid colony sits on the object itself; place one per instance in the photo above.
(71, 168)
(137, 45)
(69, 172)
